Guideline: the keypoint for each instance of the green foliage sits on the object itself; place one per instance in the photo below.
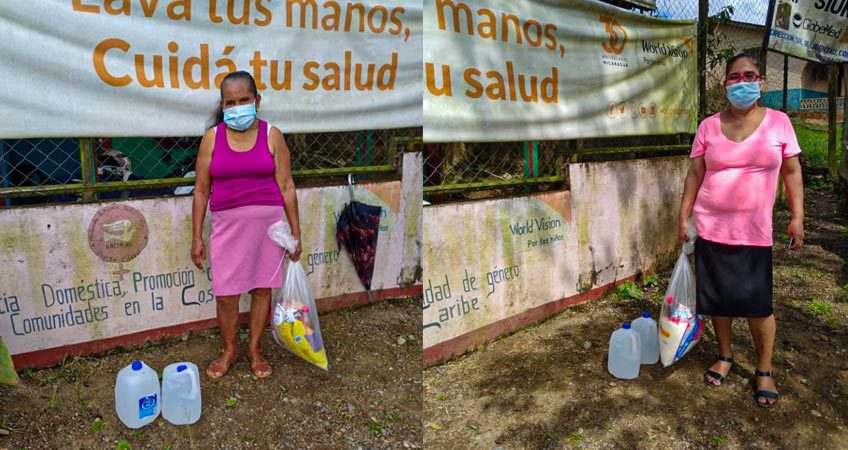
(651, 280)
(231, 402)
(718, 49)
(719, 441)
(819, 308)
(628, 291)
(123, 445)
(97, 425)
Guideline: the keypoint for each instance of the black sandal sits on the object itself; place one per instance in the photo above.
(762, 393)
(717, 376)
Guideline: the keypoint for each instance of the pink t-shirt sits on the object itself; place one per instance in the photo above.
(736, 198)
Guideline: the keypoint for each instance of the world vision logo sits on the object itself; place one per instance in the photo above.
(631, 110)
(617, 36)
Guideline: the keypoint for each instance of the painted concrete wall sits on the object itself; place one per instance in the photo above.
(119, 272)
(494, 266)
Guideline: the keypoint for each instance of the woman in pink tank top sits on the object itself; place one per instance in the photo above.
(243, 174)
(737, 157)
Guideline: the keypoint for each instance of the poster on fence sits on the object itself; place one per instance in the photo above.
(815, 30)
(498, 70)
(80, 273)
(95, 68)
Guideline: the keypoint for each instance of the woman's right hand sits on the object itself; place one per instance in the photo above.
(683, 231)
(198, 252)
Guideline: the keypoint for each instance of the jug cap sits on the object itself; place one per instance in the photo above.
(626, 325)
(181, 367)
(136, 365)
(646, 314)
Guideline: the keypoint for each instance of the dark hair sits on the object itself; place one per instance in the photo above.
(233, 76)
(754, 59)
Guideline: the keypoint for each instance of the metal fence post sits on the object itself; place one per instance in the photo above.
(87, 166)
(531, 159)
(843, 172)
(832, 89)
(766, 36)
(785, 81)
(703, 25)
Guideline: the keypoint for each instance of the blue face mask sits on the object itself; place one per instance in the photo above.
(240, 117)
(743, 95)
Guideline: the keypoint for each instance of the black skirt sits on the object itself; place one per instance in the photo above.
(733, 280)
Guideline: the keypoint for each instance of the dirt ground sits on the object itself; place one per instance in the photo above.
(370, 398)
(547, 386)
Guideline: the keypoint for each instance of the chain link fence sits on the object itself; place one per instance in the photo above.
(461, 171)
(464, 171)
(39, 171)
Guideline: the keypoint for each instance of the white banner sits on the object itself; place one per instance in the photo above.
(151, 68)
(499, 70)
(814, 30)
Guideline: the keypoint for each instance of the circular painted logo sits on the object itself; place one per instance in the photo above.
(117, 233)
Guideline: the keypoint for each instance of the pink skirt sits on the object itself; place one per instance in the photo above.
(242, 256)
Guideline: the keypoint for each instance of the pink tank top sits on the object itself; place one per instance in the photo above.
(242, 178)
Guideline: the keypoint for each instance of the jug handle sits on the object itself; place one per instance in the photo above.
(194, 383)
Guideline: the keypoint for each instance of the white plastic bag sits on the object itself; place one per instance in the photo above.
(680, 327)
(295, 318)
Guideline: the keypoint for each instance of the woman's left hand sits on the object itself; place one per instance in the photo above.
(796, 230)
(297, 251)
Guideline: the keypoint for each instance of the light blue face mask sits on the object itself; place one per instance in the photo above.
(240, 117)
(743, 95)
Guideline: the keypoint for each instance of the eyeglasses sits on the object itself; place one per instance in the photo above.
(733, 78)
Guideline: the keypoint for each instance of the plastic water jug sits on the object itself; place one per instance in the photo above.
(137, 396)
(649, 341)
(623, 357)
(181, 393)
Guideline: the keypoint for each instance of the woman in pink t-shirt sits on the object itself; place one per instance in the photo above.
(244, 176)
(735, 161)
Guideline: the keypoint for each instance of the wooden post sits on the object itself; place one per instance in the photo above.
(87, 166)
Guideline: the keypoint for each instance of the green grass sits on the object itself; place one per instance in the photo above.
(575, 439)
(813, 142)
(97, 425)
(123, 444)
(376, 427)
(231, 402)
(819, 308)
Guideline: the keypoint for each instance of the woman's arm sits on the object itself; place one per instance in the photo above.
(694, 178)
(202, 184)
(283, 176)
(790, 171)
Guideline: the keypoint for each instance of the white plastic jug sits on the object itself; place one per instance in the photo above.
(623, 357)
(181, 393)
(649, 341)
(137, 396)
